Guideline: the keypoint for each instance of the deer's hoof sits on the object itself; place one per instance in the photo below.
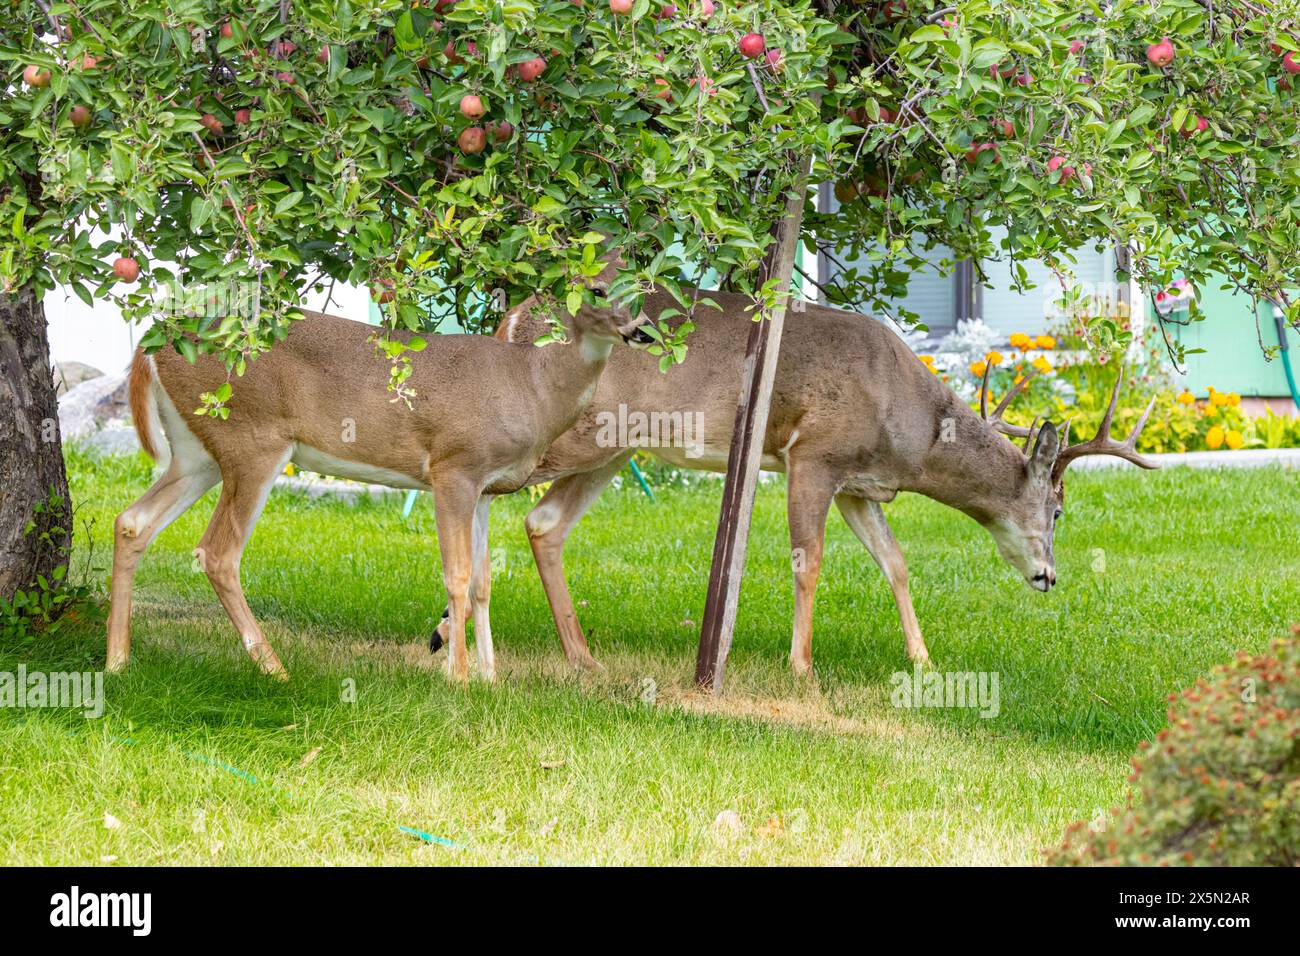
(438, 639)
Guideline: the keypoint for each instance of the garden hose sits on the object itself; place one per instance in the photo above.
(1286, 356)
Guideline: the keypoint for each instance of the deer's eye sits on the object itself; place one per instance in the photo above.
(598, 292)
(1057, 516)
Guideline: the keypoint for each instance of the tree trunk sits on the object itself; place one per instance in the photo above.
(31, 453)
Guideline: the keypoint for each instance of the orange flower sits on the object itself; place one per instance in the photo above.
(1042, 364)
(1045, 342)
(1186, 398)
(1234, 439)
(1234, 398)
(1019, 340)
(977, 368)
(1214, 438)
(994, 358)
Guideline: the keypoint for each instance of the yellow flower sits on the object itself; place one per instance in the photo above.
(1214, 438)
(1019, 340)
(1234, 438)
(288, 469)
(927, 359)
(1234, 398)
(977, 368)
(994, 358)
(1042, 364)
(1186, 398)
(1018, 380)
(1046, 342)
(1218, 398)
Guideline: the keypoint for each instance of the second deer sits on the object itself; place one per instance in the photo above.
(483, 413)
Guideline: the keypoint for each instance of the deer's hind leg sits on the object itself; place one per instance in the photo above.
(184, 482)
(244, 490)
(808, 501)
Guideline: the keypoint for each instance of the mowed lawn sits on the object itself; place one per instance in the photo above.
(199, 760)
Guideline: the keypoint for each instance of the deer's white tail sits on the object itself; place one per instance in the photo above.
(142, 394)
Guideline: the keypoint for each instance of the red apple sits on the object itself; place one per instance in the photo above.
(87, 62)
(620, 8)
(227, 30)
(1289, 62)
(471, 106)
(775, 59)
(35, 76)
(1005, 127)
(79, 115)
(707, 8)
(752, 45)
(323, 55)
(1058, 162)
(126, 269)
(667, 12)
(500, 132)
(211, 124)
(472, 140)
(530, 70)
(1161, 54)
(382, 291)
(243, 117)
(1076, 45)
(1202, 124)
(664, 92)
(284, 76)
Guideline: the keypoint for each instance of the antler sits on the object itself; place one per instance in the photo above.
(1006, 428)
(1102, 443)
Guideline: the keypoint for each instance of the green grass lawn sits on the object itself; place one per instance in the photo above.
(200, 760)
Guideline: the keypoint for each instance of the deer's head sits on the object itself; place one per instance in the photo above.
(602, 318)
(1025, 528)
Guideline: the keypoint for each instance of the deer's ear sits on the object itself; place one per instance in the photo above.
(1046, 449)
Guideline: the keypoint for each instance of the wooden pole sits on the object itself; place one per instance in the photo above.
(746, 454)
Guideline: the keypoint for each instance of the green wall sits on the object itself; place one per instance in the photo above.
(1233, 360)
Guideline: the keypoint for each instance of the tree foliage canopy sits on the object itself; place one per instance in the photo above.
(281, 144)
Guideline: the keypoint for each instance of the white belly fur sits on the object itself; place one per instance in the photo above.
(313, 459)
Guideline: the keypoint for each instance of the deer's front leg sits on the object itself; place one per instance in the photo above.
(867, 519)
(808, 499)
(454, 503)
(480, 591)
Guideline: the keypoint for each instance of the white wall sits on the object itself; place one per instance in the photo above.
(98, 336)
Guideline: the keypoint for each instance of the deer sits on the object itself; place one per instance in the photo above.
(483, 413)
(855, 419)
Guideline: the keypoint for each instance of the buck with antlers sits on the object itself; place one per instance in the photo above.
(855, 419)
(483, 413)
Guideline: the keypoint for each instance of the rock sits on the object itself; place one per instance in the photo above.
(728, 823)
(68, 375)
(115, 440)
(92, 405)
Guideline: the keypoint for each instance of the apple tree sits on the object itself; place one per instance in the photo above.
(204, 163)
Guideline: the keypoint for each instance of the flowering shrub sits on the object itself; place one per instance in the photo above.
(1067, 387)
(1220, 785)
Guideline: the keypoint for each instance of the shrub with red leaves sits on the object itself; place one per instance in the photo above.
(1220, 785)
